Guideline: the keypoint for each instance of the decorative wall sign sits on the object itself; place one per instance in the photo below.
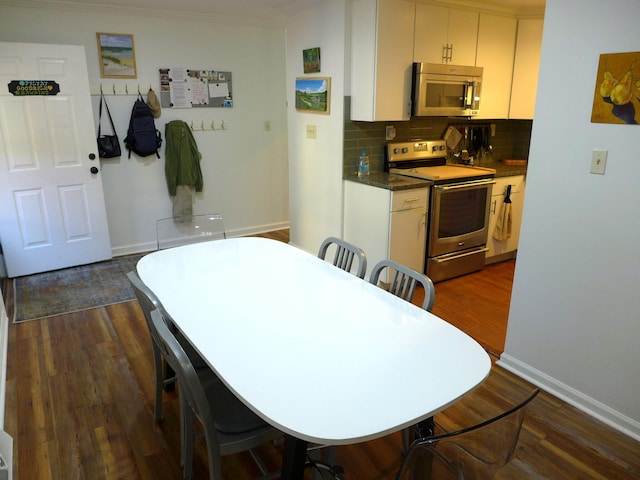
(311, 60)
(20, 88)
(313, 95)
(117, 55)
(617, 92)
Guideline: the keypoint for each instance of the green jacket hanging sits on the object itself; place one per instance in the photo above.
(182, 157)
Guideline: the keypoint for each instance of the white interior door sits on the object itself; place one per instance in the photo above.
(52, 211)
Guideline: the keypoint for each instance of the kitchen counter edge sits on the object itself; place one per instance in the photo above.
(395, 182)
(389, 181)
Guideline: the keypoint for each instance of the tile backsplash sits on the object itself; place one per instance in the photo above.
(511, 140)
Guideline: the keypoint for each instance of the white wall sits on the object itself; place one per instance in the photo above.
(245, 168)
(574, 324)
(315, 166)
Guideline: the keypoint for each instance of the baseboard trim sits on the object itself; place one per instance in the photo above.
(239, 232)
(245, 232)
(4, 342)
(574, 397)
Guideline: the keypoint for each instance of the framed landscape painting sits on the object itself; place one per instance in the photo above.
(117, 55)
(311, 60)
(313, 95)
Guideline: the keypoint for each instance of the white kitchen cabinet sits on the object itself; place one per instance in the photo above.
(503, 249)
(445, 35)
(386, 224)
(525, 69)
(495, 54)
(381, 59)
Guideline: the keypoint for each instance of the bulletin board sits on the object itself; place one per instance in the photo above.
(193, 88)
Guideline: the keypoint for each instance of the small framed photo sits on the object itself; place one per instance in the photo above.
(313, 95)
(117, 55)
(311, 60)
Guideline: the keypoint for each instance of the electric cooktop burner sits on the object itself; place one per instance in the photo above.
(427, 159)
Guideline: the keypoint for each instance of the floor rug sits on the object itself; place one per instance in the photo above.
(73, 289)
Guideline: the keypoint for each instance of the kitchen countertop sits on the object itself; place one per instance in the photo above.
(395, 182)
(503, 170)
(390, 181)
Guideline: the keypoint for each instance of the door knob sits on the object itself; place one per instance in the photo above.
(94, 170)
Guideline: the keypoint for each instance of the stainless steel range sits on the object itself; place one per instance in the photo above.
(459, 204)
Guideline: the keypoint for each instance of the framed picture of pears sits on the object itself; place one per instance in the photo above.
(617, 91)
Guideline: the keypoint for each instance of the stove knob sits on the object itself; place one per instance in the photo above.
(405, 150)
(434, 148)
(396, 150)
(441, 148)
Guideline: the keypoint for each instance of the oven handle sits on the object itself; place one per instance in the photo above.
(447, 258)
(458, 186)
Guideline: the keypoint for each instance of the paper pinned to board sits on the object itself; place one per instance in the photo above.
(452, 137)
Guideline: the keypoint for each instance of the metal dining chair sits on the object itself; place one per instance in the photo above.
(475, 452)
(164, 375)
(229, 426)
(345, 254)
(176, 231)
(403, 282)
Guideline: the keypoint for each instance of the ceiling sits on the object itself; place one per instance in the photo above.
(269, 9)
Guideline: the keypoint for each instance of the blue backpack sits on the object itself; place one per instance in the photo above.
(142, 136)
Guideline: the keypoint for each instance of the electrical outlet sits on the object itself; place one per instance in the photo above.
(311, 131)
(598, 161)
(390, 133)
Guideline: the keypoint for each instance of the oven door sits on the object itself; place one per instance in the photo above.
(459, 216)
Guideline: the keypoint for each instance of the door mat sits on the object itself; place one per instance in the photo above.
(73, 289)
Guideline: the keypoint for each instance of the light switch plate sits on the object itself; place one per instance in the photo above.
(598, 161)
(311, 131)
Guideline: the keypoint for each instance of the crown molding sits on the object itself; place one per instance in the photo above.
(276, 21)
(496, 8)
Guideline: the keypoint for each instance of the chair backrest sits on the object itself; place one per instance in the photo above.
(345, 254)
(176, 231)
(404, 281)
(475, 452)
(146, 298)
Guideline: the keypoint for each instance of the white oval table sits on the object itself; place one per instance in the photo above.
(318, 353)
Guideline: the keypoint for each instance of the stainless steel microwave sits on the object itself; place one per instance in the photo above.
(446, 90)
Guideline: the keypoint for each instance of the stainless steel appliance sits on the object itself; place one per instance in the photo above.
(459, 203)
(446, 90)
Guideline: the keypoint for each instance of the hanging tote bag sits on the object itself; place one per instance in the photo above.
(108, 145)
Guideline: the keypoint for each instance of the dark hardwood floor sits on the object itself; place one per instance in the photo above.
(478, 304)
(79, 402)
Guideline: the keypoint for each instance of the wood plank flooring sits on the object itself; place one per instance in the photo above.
(79, 403)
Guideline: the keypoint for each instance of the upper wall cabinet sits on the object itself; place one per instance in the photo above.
(496, 49)
(445, 35)
(381, 59)
(525, 70)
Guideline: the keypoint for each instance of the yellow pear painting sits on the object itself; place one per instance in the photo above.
(617, 93)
